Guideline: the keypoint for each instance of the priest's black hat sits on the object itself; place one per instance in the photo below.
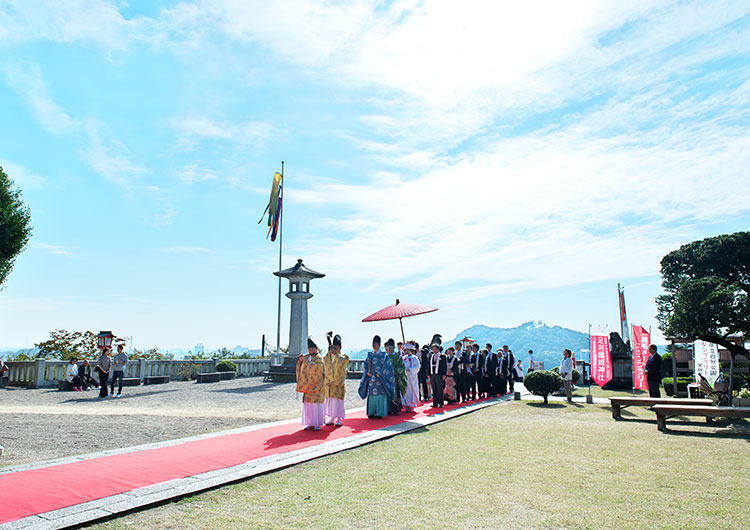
(337, 340)
(311, 343)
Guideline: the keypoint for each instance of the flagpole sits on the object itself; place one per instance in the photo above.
(588, 398)
(281, 241)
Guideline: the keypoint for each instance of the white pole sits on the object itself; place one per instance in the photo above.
(281, 240)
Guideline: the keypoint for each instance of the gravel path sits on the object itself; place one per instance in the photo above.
(41, 424)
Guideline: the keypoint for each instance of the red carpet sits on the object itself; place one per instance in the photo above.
(36, 491)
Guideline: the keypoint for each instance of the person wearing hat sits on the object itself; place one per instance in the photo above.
(378, 383)
(334, 374)
(311, 383)
(399, 371)
(412, 366)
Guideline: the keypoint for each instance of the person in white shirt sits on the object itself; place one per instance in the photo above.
(71, 375)
(566, 372)
(119, 363)
(532, 360)
(518, 369)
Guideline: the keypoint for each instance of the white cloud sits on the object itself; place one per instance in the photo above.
(192, 129)
(26, 79)
(97, 22)
(186, 249)
(58, 250)
(23, 178)
(194, 173)
(107, 157)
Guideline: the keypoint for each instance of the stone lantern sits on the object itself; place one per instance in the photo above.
(299, 278)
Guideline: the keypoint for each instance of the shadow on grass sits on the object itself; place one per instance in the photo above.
(551, 405)
(724, 433)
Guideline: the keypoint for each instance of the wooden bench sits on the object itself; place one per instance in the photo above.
(156, 380)
(228, 376)
(208, 377)
(664, 412)
(4, 380)
(619, 403)
(131, 381)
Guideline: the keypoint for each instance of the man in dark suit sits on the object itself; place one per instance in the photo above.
(462, 362)
(481, 372)
(424, 372)
(509, 361)
(491, 369)
(438, 368)
(653, 372)
(472, 371)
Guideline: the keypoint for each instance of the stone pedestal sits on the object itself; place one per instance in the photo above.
(299, 293)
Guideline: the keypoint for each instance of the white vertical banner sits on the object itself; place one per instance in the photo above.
(706, 362)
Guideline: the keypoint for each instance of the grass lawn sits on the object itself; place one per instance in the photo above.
(516, 465)
(598, 392)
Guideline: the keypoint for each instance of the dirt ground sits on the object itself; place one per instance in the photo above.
(41, 424)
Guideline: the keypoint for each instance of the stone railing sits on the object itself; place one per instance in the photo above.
(46, 373)
(356, 366)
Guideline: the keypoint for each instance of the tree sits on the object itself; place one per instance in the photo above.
(65, 345)
(15, 225)
(152, 354)
(707, 283)
(542, 383)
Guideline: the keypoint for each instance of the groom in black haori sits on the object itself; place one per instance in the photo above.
(438, 368)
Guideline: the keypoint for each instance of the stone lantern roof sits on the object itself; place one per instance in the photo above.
(299, 273)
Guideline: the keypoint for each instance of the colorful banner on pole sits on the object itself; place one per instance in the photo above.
(274, 207)
(623, 314)
(601, 362)
(706, 360)
(641, 342)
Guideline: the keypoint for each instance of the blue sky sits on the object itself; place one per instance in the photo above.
(502, 162)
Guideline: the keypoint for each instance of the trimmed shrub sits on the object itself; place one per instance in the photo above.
(226, 366)
(542, 383)
(187, 371)
(682, 383)
(576, 374)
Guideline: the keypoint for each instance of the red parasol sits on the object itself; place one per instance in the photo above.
(399, 311)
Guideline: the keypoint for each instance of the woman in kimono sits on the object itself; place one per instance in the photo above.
(399, 372)
(335, 365)
(311, 383)
(378, 383)
(412, 364)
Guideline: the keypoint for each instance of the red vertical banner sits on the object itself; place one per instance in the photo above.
(601, 362)
(641, 342)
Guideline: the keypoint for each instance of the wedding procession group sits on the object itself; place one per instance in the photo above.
(401, 377)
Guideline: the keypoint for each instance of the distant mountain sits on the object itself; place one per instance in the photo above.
(547, 342)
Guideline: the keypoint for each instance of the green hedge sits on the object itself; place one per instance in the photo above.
(542, 383)
(682, 383)
(576, 374)
(226, 366)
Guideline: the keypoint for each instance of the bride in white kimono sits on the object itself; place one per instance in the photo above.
(411, 362)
